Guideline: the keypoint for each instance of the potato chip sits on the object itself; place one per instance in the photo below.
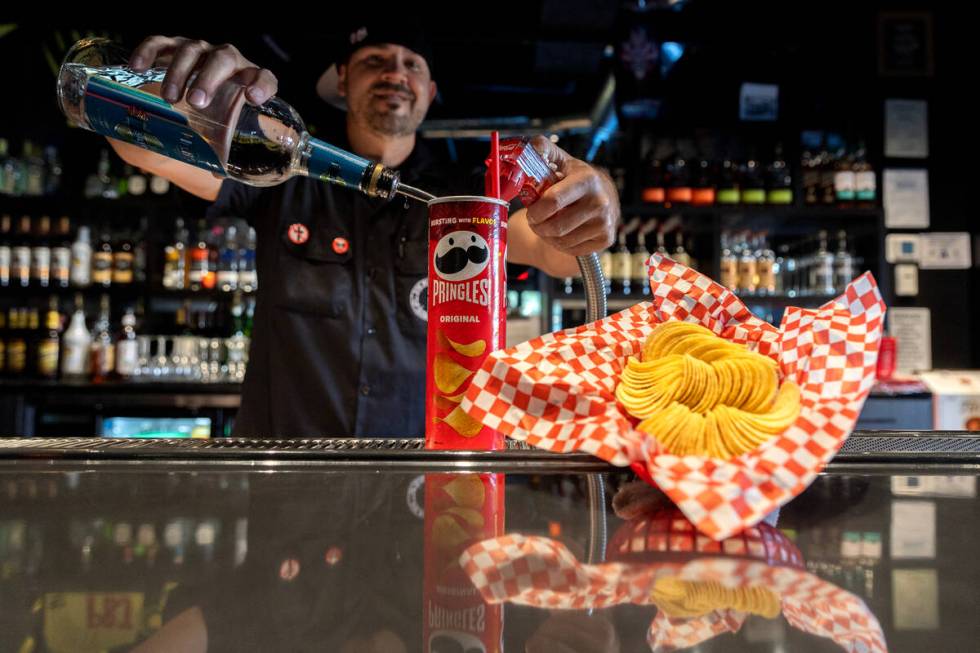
(448, 534)
(699, 394)
(683, 599)
(462, 423)
(449, 375)
(472, 349)
(466, 491)
(473, 519)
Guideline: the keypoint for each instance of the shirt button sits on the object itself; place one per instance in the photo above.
(365, 390)
(371, 331)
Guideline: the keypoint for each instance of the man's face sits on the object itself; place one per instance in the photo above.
(389, 87)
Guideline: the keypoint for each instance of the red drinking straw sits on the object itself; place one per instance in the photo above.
(495, 165)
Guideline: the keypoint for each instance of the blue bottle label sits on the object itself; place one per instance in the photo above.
(329, 163)
(116, 107)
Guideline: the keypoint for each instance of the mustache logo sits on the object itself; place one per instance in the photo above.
(456, 259)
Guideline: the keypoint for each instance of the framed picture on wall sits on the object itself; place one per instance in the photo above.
(905, 44)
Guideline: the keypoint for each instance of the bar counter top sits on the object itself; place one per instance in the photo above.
(355, 545)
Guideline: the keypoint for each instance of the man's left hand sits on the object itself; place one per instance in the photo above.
(578, 214)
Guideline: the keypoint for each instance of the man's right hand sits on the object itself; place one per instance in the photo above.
(213, 65)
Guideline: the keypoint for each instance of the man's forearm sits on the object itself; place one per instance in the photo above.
(527, 248)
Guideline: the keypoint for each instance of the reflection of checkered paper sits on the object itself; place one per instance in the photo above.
(541, 572)
(556, 392)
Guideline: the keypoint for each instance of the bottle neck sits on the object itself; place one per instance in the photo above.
(321, 160)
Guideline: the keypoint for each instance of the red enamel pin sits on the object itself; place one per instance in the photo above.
(298, 233)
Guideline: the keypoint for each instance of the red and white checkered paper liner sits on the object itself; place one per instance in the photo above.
(556, 392)
(543, 573)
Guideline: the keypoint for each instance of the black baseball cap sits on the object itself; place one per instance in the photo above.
(405, 31)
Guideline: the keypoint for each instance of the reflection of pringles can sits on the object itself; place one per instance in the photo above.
(460, 510)
(467, 313)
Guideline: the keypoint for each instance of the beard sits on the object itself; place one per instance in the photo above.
(383, 119)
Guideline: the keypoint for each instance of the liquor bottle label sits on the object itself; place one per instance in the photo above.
(844, 185)
(116, 107)
(866, 186)
(47, 358)
(102, 268)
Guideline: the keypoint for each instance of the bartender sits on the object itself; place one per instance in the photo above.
(339, 338)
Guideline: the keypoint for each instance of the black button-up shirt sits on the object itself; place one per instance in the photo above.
(339, 337)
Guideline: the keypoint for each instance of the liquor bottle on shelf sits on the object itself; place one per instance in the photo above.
(127, 347)
(640, 257)
(41, 254)
(228, 261)
(81, 259)
(34, 336)
(123, 261)
(16, 343)
(844, 178)
(102, 260)
(753, 184)
(681, 254)
(766, 268)
(780, 180)
(21, 254)
(3, 343)
(199, 259)
(6, 251)
(703, 193)
(865, 182)
(49, 345)
(828, 168)
(843, 263)
(176, 258)
(247, 275)
(53, 171)
(34, 168)
(679, 189)
(729, 191)
(11, 171)
(103, 348)
(622, 265)
(99, 184)
(61, 254)
(76, 344)
(136, 182)
(822, 270)
(728, 269)
(747, 272)
(215, 242)
(139, 252)
(788, 272)
(654, 191)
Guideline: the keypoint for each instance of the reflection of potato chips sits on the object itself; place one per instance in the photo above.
(462, 423)
(699, 394)
(686, 599)
(466, 491)
(447, 533)
(473, 519)
(449, 375)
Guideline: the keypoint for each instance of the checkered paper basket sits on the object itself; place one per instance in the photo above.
(543, 573)
(556, 392)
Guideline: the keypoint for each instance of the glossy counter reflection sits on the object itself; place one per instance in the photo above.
(127, 559)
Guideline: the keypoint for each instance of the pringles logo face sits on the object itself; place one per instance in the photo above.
(461, 255)
(459, 258)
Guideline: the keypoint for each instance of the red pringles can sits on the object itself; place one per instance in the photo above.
(467, 313)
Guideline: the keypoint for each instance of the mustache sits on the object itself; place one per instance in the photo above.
(456, 259)
(395, 88)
